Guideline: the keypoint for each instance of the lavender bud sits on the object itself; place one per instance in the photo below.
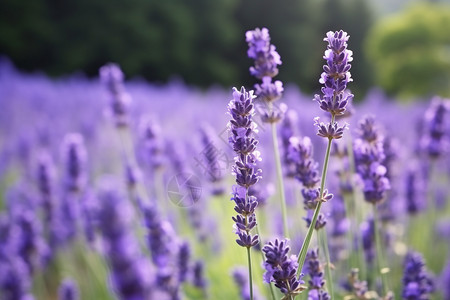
(74, 157)
(68, 290)
(112, 77)
(417, 283)
(282, 269)
(266, 57)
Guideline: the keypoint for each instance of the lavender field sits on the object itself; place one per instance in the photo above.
(117, 188)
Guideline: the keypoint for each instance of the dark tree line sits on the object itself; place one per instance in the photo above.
(200, 40)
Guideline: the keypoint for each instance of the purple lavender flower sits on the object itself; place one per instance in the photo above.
(68, 290)
(160, 236)
(413, 193)
(267, 60)
(341, 223)
(335, 78)
(198, 279)
(131, 272)
(15, 281)
(111, 75)
(445, 279)
(213, 168)
(417, 282)
(433, 141)
(357, 287)
(306, 171)
(153, 144)
(368, 240)
(242, 139)
(45, 182)
(336, 74)
(74, 157)
(301, 154)
(281, 269)
(163, 245)
(266, 57)
(241, 279)
(287, 131)
(369, 155)
(184, 256)
(316, 272)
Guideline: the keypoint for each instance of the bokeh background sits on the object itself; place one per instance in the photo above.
(399, 45)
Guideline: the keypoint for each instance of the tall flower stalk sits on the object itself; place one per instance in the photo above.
(369, 156)
(268, 91)
(242, 131)
(333, 100)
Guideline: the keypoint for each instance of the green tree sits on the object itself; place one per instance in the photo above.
(410, 51)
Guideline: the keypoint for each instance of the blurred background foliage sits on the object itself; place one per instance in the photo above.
(203, 42)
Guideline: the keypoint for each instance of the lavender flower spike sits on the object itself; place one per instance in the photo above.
(68, 290)
(282, 269)
(131, 273)
(74, 154)
(336, 74)
(111, 75)
(266, 57)
(335, 78)
(417, 283)
(242, 139)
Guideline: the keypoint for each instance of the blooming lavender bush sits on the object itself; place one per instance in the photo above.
(88, 184)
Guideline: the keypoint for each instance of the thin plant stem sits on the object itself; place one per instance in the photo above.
(324, 242)
(250, 281)
(280, 179)
(380, 258)
(307, 240)
(272, 293)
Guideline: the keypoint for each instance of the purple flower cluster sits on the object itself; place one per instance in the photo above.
(241, 279)
(356, 286)
(111, 75)
(369, 156)
(68, 290)
(74, 157)
(265, 55)
(282, 269)
(306, 171)
(214, 171)
(434, 141)
(165, 252)
(243, 141)
(316, 272)
(131, 273)
(417, 282)
(445, 279)
(335, 78)
(267, 60)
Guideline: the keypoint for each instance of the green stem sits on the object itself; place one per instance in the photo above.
(250, 281)
(272, 293)
(307, 240)
(280, 179)
(380, 258)
(323, 238)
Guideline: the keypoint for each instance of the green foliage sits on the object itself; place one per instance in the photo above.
(410, 51)
(202, 41)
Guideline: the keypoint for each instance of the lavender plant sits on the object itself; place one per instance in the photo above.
(68, 290)
(266, 65)
(369, 156)
(333, 100)
(242, 139)
(282, 269)
(417, 283)
(131, 274)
